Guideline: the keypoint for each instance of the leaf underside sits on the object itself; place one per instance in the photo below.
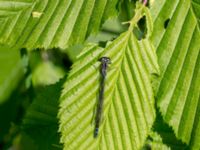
(178, 50)
(128, 112)
(51, 23)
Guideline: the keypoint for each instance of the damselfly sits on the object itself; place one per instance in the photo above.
(103, 70)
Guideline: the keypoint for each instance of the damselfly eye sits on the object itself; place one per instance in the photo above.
(105, 60)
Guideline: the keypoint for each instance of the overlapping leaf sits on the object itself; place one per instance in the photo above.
(129, 101)
(163, 133)
(155, 142)
(178, 50)
(11, 71)
(51, 23)
(41, 121)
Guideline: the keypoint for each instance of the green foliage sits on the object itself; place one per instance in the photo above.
(123, 108)
(155, 142)
(152, 90)
(166, 134)
(178, 50)
(129, 99)
(51, 23)
(11, 71)
(46, 73)
(40, 121)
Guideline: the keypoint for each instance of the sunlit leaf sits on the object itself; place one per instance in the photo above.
(129, 100)
(177, 39)
(52, 23)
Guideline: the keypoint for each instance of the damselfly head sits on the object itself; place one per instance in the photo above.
(105, 60)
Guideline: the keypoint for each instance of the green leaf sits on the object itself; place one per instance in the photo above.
(155, 143)
(40, 122)
(56, 23)
(128, 112)
(12, 108)
(166, 134)
(11, 71)
(46, 73)
(178, 50)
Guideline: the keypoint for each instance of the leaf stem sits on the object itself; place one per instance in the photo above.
(136, 18)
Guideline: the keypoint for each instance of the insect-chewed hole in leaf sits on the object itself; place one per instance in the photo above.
(141, 30)
(166, 23)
